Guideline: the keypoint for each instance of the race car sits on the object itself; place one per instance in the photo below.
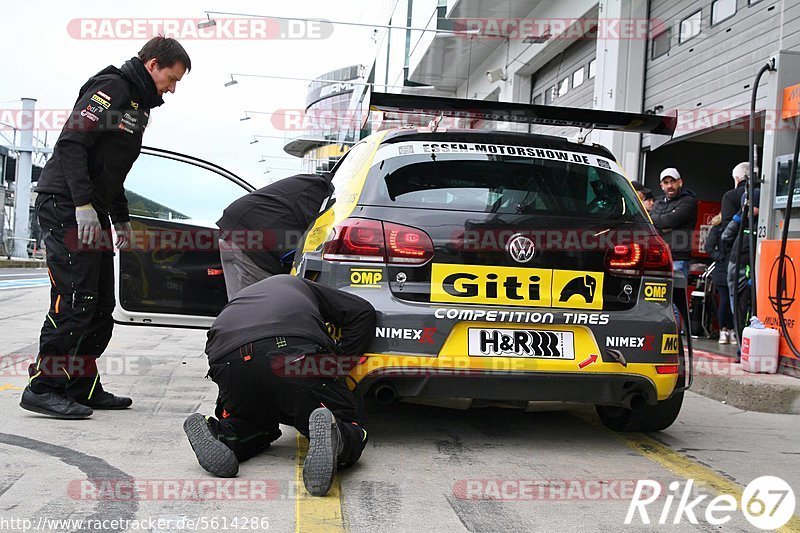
(505, 267)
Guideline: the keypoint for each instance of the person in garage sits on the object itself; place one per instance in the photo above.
(264, 352)
(732, 199)
(80, 188)
(675, 216)
(259, 230)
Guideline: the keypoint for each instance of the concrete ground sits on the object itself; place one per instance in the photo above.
(425, 468)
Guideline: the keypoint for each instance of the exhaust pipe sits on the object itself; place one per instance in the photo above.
(634, 401)
(385, 394)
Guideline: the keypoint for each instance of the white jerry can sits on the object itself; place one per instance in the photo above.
(760, 348)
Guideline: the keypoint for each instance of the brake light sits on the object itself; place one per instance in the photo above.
(625, 258)
(356, 239)
(658, 259)
(406, 244)
(650, 258)
(361, 239)
(667, 369)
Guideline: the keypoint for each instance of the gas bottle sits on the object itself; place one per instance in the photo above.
(760, 348)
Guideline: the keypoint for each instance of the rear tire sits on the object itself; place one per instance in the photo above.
(650, 418)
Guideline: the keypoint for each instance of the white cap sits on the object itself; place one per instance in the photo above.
(741, 171)
(671, 173)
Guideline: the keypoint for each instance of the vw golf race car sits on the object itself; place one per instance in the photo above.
(504, 267)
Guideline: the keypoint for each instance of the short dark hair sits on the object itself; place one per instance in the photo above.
(647, 194)
(166, 51)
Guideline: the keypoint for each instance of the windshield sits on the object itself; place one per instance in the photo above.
(503, 184)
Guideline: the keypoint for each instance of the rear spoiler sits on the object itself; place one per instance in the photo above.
(524, 113)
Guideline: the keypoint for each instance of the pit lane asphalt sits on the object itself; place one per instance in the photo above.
(425, 468)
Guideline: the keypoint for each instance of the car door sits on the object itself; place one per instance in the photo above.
(172, 274)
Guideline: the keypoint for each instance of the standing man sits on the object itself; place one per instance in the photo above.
(80, 187)
(274, 217)
(732, 199)
(675, 216)
(264, 351)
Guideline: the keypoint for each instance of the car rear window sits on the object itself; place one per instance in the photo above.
(504, 184)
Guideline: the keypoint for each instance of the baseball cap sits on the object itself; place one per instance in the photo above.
(671, 173)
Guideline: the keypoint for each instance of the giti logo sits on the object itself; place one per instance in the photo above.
(669, 343)
(529, 287)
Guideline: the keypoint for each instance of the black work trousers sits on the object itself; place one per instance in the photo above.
(256, 393)
(78, 324)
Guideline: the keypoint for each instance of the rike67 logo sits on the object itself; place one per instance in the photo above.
(767, 502)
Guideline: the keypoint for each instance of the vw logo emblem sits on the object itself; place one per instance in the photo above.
(521, 248)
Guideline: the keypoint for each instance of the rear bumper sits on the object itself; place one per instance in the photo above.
(596, 387)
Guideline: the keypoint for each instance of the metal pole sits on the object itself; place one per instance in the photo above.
(22, 196)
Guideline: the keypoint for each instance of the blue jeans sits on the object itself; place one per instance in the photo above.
(681, 266)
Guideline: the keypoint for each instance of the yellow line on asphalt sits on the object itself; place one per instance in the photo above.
(682, 466)
(9, 387)
(314, 513)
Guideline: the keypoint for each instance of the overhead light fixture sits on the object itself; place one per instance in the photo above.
(207, 23)
(254, 141)
(245, 117)
(232, 82)
(495, 75)
(537, 39)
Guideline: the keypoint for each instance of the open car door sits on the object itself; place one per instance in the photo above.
(171, 275)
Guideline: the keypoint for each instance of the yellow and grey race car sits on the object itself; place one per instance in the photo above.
(504, 266)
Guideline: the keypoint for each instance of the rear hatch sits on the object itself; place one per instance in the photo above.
(520, 225)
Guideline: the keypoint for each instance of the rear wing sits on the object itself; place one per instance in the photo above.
(547, 115)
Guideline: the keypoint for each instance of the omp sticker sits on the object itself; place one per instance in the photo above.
(491, 285)
(578, 290)
(486, 149)
(529, 287)
(366, 277)
(655, 292)
(100, 100)
(669, 343)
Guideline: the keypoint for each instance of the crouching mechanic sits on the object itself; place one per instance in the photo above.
(255, 345)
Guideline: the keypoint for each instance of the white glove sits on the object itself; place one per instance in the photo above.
(88, 224)
(123, 231)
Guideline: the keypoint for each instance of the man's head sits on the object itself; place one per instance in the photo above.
(166, 61)
(671, 182)
(741, 172)
(647, 198)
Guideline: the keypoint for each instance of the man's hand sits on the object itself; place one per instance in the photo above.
(88, 224)
(123, 231)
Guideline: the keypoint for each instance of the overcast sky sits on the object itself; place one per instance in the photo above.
(40, 59)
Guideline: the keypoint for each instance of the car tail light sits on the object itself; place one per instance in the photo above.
(658, 258)
(651, 257)
(667, 369)
(407, 245)
(356, 239)
(361, 239)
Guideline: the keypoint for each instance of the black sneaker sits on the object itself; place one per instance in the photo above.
(325, 445)
(54, 405)
(106, 400)
(212, 454)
